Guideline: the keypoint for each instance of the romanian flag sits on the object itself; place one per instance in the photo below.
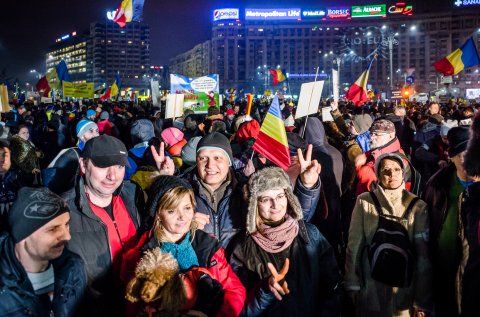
(124, 13)
(463, 57)
(53, 79)
(358, 91)
(277, 76)
(272, 138)
(113, 90)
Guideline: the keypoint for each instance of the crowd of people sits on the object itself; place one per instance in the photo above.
(109, 209)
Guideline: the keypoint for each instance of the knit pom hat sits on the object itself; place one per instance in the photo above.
(266, 179)
(172, 136)
(162, 185)
(218, 141)
(104, 115)
(91, 112)
(83, 126)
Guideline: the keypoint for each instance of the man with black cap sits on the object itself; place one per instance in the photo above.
(38, 276)
(442, 193)
(104, 220)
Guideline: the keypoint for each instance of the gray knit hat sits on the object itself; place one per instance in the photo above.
(266, 179)
(218, 141)
(391, 156)
(142, 131)
(189, 151)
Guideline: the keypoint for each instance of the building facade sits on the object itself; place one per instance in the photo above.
(245, 45)
(194, 62)
(104, 50)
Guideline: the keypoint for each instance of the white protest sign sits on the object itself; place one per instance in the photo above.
(174, 107)
(326, 115)
(310, 94)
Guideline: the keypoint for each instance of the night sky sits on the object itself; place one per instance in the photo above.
(29, 27)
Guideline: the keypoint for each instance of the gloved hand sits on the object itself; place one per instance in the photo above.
(210, 295)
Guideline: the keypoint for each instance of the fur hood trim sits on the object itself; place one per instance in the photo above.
(266, 179)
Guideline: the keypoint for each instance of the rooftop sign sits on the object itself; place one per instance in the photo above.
(272, 14)
(226, 14)
(374, 10)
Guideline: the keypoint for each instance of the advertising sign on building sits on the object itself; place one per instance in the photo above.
(200, 92)
(313, 14)
(338, 13)
(472, 93)
(272, 14)
(401, 8)
(374, 10)
(463, 3)
(226, 14)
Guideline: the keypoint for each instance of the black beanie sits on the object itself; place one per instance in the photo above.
(457, 140)
(218, 141)
(160, 186)
(33, 209)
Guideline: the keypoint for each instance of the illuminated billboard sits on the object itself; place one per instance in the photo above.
(338, 13)
(272, 14)
(226, 14)
(374, 10)
(461, 3)
(401, 8)
(313, 14)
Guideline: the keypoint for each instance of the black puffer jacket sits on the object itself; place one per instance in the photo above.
(313, 277)
(17, 297)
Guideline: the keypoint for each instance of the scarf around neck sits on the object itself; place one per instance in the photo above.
(276, 239)
(182, 252)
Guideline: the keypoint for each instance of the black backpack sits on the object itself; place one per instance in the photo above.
(391, 253)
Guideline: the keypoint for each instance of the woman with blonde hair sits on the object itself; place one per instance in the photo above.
(218, 291)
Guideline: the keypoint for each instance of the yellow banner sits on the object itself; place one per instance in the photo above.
(84, 90)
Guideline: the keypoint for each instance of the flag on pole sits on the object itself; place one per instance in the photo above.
(124, 13)
(113, 90)
(137, 10)
(272, 139)
(278, 75)
(463, 57)
(358, 91)
(53, 78)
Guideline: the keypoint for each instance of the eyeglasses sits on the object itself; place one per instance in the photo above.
(269, 200)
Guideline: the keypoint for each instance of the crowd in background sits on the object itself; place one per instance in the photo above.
(109, 209)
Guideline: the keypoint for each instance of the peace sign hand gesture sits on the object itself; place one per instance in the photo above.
(309, 170)
(164, 163)
(276, 283)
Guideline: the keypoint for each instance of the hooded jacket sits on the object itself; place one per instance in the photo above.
(17, 297)
(328, 212)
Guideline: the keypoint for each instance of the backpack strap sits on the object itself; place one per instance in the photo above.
(378, 207)
(410, 207)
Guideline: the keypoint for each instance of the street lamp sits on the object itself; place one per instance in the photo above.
(391, 40)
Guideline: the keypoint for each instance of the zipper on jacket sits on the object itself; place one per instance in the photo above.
(118, 235)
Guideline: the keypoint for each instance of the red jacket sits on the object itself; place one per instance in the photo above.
(366, 173)
(211, 256)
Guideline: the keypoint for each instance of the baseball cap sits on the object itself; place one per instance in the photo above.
(105, 151)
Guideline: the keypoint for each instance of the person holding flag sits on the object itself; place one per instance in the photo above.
(357, 93)
(113, 90)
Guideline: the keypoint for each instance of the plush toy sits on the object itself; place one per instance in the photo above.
(165, 291)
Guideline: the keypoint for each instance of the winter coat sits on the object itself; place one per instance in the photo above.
(331, 160)
(210, 255)
(377, 299)
(17, 297)
(313, 278)
(23, 154)
(366, 173)
(90, 241)
(60, 174)
(435, 195)
(404, 130)
(470, 213)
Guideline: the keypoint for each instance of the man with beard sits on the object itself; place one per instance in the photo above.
(383, 140)
(38, 276)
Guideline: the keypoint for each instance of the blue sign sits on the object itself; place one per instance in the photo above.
(460, 3)
(410, 80)
(314, 14)
(272, 14)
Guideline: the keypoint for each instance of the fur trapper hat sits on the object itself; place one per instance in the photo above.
(266, 179)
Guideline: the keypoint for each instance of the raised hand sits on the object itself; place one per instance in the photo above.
(276, 283)
(164, 163)
(309, 170)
